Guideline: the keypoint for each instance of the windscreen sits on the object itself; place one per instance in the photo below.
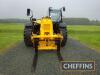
(55, 16)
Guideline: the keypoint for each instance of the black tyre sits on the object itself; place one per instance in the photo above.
(64, 33)
(58, 45)
(27, 35)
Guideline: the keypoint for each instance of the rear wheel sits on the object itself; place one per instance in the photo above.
(27, 36)
(64, 33)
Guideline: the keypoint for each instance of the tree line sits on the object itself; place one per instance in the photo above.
(13, 20)
(69, 21)
(81, 21)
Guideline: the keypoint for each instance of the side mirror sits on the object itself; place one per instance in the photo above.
(50, 8)
(28, 12)
(64, 9)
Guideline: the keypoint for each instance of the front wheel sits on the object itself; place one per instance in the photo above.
(58, 45)
(27, 37)
(64, 33)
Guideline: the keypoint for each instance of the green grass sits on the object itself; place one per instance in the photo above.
(10, 34)
(88, 35)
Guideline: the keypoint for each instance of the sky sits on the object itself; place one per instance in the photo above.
(74, 8)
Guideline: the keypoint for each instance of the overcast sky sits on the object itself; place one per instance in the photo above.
(74, 8)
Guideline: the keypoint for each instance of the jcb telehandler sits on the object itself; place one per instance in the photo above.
(47, 33)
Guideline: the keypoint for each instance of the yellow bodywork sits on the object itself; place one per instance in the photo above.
(46, 36)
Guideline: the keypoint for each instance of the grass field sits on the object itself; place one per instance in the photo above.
(88, 35)
(10, 34)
